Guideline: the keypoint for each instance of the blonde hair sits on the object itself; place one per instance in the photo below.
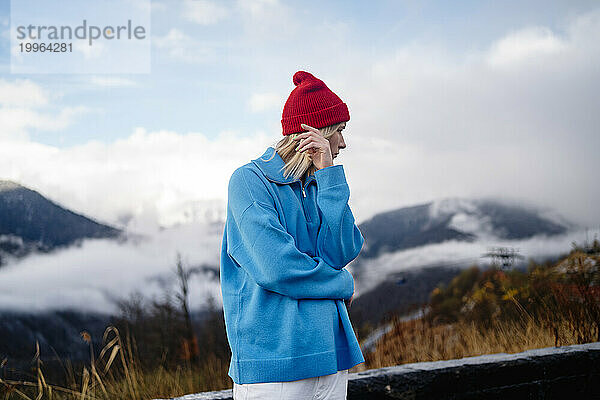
(298, 164)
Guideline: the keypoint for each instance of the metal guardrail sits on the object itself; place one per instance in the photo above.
(548, 373)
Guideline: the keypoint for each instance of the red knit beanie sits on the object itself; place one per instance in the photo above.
(311, 103)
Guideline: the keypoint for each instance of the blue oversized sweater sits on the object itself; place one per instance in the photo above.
(282, 273)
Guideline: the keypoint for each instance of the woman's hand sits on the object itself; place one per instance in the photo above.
(316, 146)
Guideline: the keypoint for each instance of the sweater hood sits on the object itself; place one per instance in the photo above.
(272, 168)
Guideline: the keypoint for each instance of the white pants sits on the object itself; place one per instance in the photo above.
(326, 387)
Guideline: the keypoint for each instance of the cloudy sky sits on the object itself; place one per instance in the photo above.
(476, 98)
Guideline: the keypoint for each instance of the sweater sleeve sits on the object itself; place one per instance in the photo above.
(268, 253)
(339, 240)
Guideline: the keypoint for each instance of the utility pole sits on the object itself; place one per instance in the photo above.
(504, 256)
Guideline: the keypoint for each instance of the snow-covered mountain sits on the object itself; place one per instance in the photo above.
(30, 222)
(408, 251)
(456, 219)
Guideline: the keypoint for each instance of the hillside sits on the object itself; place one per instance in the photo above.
(31, 222)
(454, 219)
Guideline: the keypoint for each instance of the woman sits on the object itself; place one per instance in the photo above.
(289, 234)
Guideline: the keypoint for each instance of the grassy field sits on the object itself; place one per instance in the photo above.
(417, 341)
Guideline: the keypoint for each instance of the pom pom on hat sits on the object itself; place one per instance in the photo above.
(301, 76)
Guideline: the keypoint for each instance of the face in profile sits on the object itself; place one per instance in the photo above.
(336, 141)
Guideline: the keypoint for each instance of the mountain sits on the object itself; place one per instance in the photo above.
(404, 256)
(400, 294)
(455, 219)
(30, 222)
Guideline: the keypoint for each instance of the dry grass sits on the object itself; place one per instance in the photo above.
(417, 341)
(116, 375)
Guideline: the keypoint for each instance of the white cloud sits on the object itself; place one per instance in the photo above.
(91, 276)
(266, 101)
(14, 121)
(147, 178)
(182, 47)
(528, 44)
(25, 105)
(144, 179)
(203, 12)
(22, 92)
(457, 126)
